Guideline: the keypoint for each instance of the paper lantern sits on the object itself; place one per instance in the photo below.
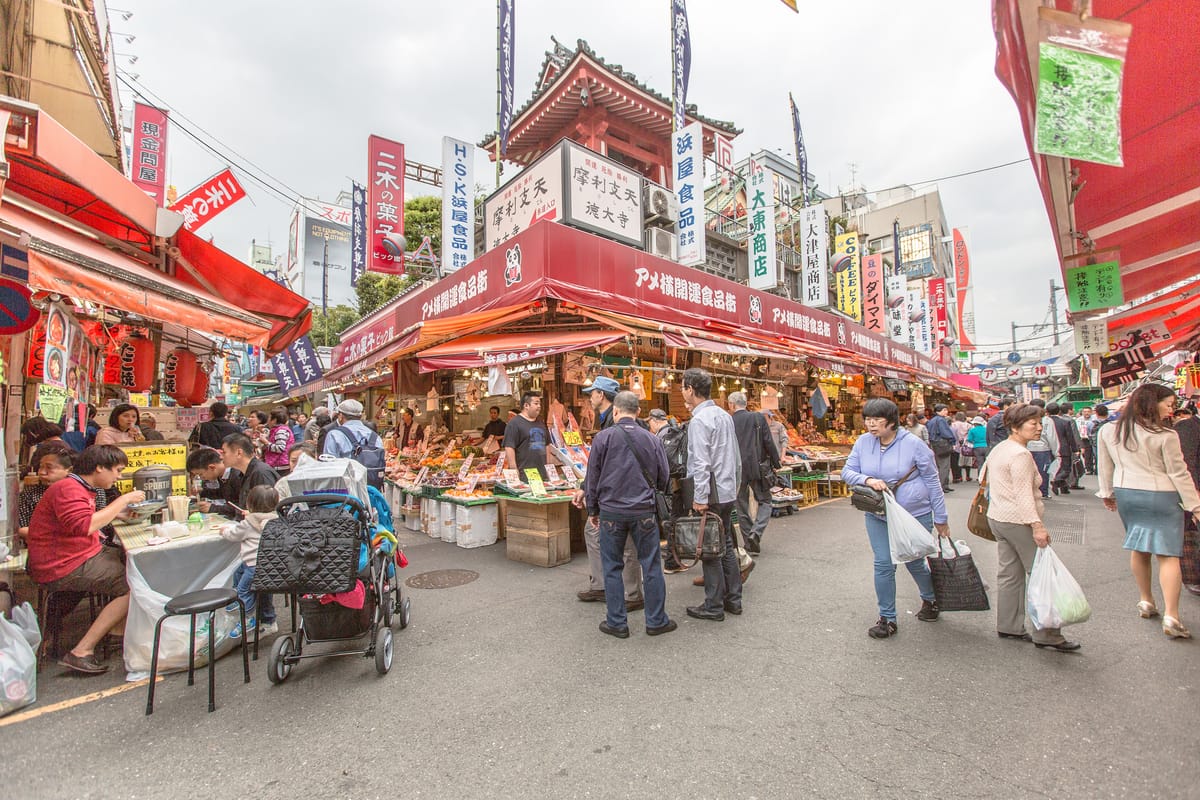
(199, 391)
(137, 364)
(179, 374)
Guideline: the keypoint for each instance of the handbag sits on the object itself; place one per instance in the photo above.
(977, 521)
(310, 551)
(662, 500)
(864, 498)
(957, 584)
(698, 538)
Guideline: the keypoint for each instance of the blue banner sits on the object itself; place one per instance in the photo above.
(358, 232)
(505, 69)
(305, 362)
(681, 60)
(801, 153)
(281, 365)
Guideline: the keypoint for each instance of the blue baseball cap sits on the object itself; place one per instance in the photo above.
(606, 385)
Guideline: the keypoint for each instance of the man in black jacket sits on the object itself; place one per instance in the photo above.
(626, 465)
(997, 431)
(760, 459)
(1068, 446)
(213, 433)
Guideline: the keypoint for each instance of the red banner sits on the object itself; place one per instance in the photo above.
(385, 204)
(874, 313)
(148, 169)
(937, 308)
(209, 199)
(965, 305)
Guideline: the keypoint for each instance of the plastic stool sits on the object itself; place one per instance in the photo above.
(193, 603)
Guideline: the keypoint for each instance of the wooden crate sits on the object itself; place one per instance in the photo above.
(540, 548)
(538, 517)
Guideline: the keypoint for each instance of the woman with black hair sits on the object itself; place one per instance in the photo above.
(122, 426)
(1144, 477)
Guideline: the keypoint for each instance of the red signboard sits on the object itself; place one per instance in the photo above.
(874, 313)
(385, 204)
(937, 308)
(964, 307)
(209, 199)
(148, 169)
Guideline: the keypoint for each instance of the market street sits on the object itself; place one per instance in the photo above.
(504, 687)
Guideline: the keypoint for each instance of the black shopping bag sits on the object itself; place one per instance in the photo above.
(957, 584)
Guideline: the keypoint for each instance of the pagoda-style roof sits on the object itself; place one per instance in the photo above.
(570, 80)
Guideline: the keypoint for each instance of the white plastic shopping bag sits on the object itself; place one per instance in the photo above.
(18, 661)
(907, 537)
(25, 618)
(1054, 598)
(948, 549)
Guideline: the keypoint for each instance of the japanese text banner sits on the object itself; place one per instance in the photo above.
(874, 318)
(148, 168)
(209, 199)
(458, 186)
(385, 205)
(687, 170)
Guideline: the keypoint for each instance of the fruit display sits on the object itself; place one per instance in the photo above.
(782, 495)
(464, 494)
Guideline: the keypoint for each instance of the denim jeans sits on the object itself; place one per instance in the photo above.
(613, 536)
(885, 570)
(1043, 459)
(723, 577)
(243, 577)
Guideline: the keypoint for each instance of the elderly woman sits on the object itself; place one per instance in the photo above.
(1143, 476)
(892, 459)
(913, 423)
(1015, 516)
(122, 426)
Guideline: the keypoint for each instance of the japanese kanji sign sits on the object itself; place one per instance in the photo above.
(306, 366)
(965, 307)
(1078, 105)
(681, 61)
(814, 275)
(504, 71)
(896, 299)
(687, 180)
(847, 269)
(1094, 286)
(148, 166)
(385, 206)
(1091, 336)
(458, 207)
(534, 195)
(358, 232)
(872, 293)
(939, 313)
(209, 199)
(760, 221)
(603, 196)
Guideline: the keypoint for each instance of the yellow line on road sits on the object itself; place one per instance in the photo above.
(72, 702)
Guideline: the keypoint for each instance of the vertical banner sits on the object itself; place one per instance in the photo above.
(897, 309)
(723, 152)
(458, 227)
(897, 257)
(281, 365)
(1091, 336)
(801, 153)
(209, 199)
(847, 269)
(874, 314)
(815, 250)
(305, 363)
(687, 170)
(681, 61)
(55, 360)
(148, 167)
(938, 312)
(964, 292)
(358, 232)
(504, 73)
(920, 329)
(760, 218)
(385, 166)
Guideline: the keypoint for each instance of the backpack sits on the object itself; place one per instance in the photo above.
(367, 451)
(675, 440)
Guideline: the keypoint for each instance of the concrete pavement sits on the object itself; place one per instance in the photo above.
(504, 687)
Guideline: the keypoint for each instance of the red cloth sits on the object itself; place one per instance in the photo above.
(60, 532)
(355, 598)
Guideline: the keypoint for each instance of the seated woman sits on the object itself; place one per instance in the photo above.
(65, 553)
(122, 426)
(51, 464)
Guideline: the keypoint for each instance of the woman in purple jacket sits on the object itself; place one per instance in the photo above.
(891, 459)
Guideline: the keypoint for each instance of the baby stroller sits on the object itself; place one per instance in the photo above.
(325, 551)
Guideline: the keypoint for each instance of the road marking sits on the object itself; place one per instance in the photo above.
(74, 701)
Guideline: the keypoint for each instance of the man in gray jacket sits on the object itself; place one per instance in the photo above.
(713, 466)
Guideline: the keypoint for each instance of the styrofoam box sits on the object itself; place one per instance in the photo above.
(447, 530)
(478, 526)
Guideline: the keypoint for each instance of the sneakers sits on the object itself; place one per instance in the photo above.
(883, 629)
(672, 568)
(236, 633)
(929, 611)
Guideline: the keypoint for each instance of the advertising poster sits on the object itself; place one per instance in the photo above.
(964, 291)
(847, 270)
(58, 347)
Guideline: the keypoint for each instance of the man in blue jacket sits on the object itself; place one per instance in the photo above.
(627, 464)
(941, 441)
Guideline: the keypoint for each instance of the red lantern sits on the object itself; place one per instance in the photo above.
(199, 390)
(137, 364)
(179, 374)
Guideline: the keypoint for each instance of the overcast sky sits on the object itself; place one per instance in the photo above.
(904, 91)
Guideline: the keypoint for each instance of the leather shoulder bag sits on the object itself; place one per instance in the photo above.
(977, 520)
(662, 500)
(864, 498)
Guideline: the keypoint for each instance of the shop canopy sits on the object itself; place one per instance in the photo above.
(499, 349)
(1149, 209)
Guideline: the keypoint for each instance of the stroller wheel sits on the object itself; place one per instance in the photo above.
(383, 651)
(278, 666)
(405, 612)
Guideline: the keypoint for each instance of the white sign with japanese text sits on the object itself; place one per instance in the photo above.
(687, 179)
(1091, 336)
(534, 195)
(602, 196)
(760, 221)
(897, 308)
(814, 275)
(458, 186)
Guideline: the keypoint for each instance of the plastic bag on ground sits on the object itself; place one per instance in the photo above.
(907, 537)
(18, 665)
(1054, 598)
(25, 618)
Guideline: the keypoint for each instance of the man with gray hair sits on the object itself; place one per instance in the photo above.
(759, 460)
(626, 466)
(320, 419)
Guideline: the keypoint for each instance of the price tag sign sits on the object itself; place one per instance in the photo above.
(572, 438)
(499, 464)
(472, 482)
(511, 477)
(534, 476)
(552, 473)
(465, 468)
(421, 476)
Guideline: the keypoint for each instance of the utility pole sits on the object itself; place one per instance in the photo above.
(325, 294)
(1014, 336)
(1054, 310)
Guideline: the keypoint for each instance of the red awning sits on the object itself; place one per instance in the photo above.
(488, 350)
(211, 269)
(1150, 208)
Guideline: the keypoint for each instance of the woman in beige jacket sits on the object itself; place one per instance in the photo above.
(1143, 476)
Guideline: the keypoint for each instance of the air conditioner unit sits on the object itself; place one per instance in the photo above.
(659, 203)
(660, 242)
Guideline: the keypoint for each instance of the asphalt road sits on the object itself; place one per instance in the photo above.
(504, 687)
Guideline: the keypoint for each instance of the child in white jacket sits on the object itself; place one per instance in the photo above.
(260, 508)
